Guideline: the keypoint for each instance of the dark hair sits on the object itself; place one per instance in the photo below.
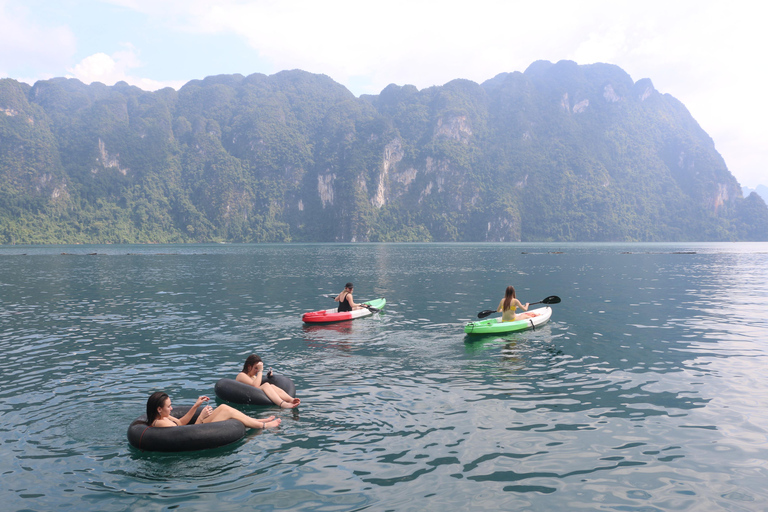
(156, 399)
(508, 296)
(349, 285)
(250, 361)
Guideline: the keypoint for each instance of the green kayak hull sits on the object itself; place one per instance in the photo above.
(535, 318)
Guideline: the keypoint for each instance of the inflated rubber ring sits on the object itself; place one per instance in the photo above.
(186, 437)
(236, 392)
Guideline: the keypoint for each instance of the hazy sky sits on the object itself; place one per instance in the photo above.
(709, 54)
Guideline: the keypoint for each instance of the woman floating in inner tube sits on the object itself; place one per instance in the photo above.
(251, 375)
(159, 414)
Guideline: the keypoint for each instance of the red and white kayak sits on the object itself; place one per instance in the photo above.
(332, 315)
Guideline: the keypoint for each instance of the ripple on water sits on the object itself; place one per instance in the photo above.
(636, 396)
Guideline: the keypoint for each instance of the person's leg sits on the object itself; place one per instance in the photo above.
(288, 402)
(225, 412)
(284, 401)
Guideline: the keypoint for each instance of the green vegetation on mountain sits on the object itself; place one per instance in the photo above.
(559, 153)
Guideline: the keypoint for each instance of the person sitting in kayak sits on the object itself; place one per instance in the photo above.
(346, 301)
(159, 414)
(251, 375)
(509, 304)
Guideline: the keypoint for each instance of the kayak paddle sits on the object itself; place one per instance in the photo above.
(552, 299)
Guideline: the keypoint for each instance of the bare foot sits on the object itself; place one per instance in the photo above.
(290, 404)
(273, 423)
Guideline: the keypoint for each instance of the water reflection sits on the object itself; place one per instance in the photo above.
(335, 335)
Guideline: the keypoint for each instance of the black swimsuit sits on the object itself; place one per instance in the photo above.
(344, 305)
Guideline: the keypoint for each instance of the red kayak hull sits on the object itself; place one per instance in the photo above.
(332, 315)
(321, 317)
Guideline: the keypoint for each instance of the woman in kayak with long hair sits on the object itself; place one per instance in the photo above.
(251, 375)
(509, 304)
(159, 414)
(346, 303)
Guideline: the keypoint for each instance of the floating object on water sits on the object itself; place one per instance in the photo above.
(530, 320)
(184, 438)
(552, 299)
(237, 392)
(333, 315)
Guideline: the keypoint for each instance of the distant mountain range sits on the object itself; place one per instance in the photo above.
(760, 190)
(561, 152)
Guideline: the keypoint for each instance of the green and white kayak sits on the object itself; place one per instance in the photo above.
(530, 320)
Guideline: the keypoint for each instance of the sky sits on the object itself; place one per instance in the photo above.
(709, 54)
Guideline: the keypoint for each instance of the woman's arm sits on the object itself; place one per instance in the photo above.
(207, 411)
(184, 420)
(257, 378)
(520, 305)
(254, 381)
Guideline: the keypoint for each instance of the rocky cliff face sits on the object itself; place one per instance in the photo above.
(560, 152)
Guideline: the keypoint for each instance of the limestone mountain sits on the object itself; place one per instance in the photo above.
(560, 152)
(760, 190)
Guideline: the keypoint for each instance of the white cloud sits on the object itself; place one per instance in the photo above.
(416, 41)
(603, 46)
(110, 69)
(99, 67)
(706, 53)
(27, 44)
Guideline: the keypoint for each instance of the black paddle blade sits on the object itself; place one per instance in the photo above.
(552, 299)
(485, 313)
(373, 310)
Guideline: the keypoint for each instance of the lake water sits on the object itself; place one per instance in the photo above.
(646, 391)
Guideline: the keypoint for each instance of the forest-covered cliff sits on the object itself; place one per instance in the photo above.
(560, 152)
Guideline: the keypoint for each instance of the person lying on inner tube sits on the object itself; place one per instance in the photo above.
(251, 375)
(159, 414)
(346, 303)
(509, 304)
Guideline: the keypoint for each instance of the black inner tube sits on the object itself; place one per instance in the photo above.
(236, 392)
(186, 437)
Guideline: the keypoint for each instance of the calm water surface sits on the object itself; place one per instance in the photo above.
(646, 391)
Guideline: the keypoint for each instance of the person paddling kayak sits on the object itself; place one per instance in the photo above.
(509, 304)
(346, 302)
